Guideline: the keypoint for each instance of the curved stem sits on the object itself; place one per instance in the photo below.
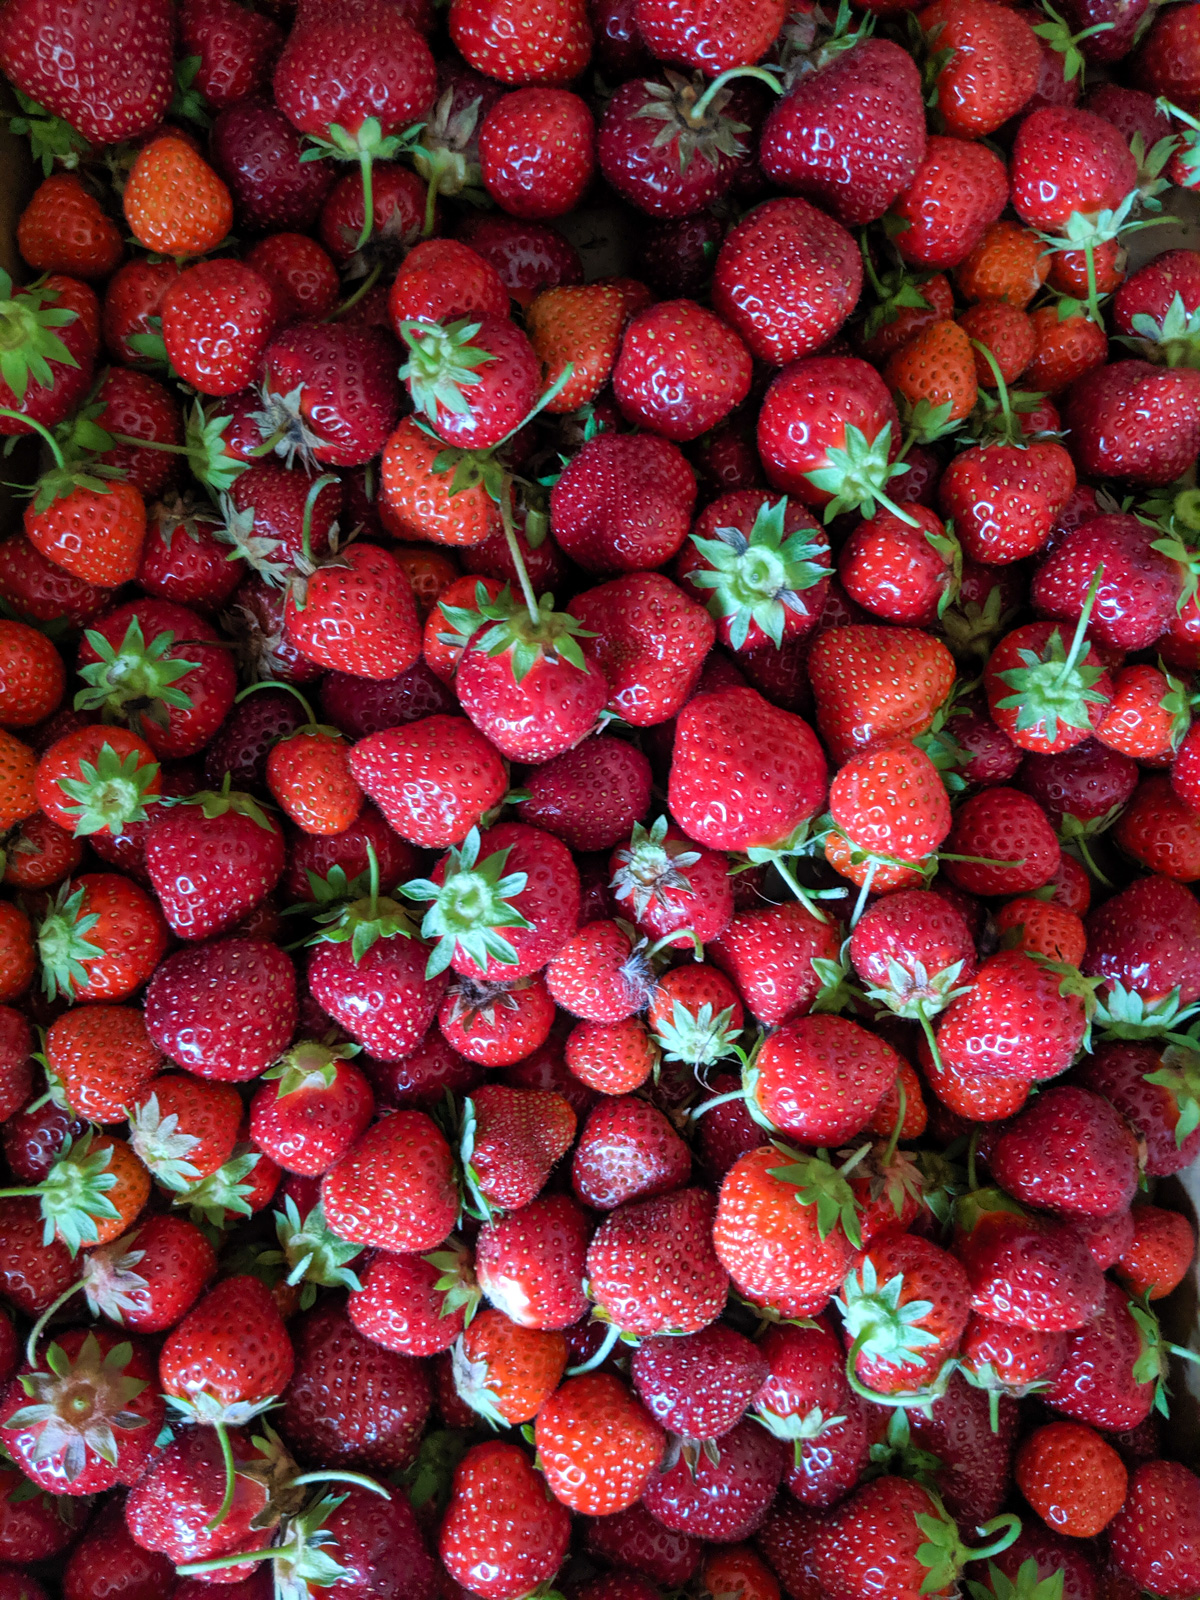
(373, 869)
(890, 505)
(220, 1563)
(900, 1401)
(593, 1361)
(37, 427)
(869, 266)
(222, 1434)
(265, 448)
(1001, 386)
(670, 938)
(432, 191)
(276, 683)
(801, 894)
(719, 1100)
(1006, 1528)
(310, 501)
(902, 1095)
(39, 1327)
(864, 894)
(514, 550)
(763, 74)
(930, 1038)
(148, 444)
(358, 1478)
(1086, 856)
(365, 160)
(364, 289)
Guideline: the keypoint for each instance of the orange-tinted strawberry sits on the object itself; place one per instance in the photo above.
(1066, 349)
(175, 203)
(937, 367)
(506, 1372)
(1009, 263)
(581, 326)
(415, 501)
(1042, 928)
(31, 675)
(103, 1057)
(94, 534)
(65, 229)
(1006, 333)
(18, 767)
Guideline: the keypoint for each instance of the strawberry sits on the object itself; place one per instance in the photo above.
(819, 1079)
(236, 48)
(699, 1385)
(1139, 587)
(511, 1139)
(1071, 1477)
(535, 150)
(993, 826)
(495, 1024)
(1043, 930)
(1112, 1365)
(394, 1188)
(216, 320)
(65, 229)
(48, 369)
(1155, 1536)
(934, 377)
(88, 1419)
(597, 1444)
(101, 938)
(666, 885)
(531, 1265)
(1135, 421)
(677, 348)
(580, 327)
(174, 694)
(258, 153)
(1026, 1271)
(1004, 498)
(1069, 1151)
(512, 41)
(769, 953)
(732, 1568)
(627, 1151)
(223, 1010)
(313, 1105)
(441, 280)
(780, 1255)
(475, 380)
(1059, 691)
(736, 730)
(874, 685)
(409, 1304)
(504, 1531)
(1002, 1358)
(602, 974)
(331, 393)
(109, 75)
(898, 572)
(33, 1274)
(150, 1278)
(700, 35)
(651, 1267)
(211, 860)
(32, 678)
(506, 1372)
(1159, 830)
(959, 191)
(1143, 942)
(613, 1057)
(107, 1554)
(890, 813)
(827, 432)
(416, 500)
(858, 164)
(397, 207)
(1009, 265)
(356, 614)
(352, 82)
(624, 504)
(591, 796)
(301, 275)
(1066, 162)
(726, 1499)
(308, 774)
(904, 1308)
(91, 528)
(994, 67)
(1043, 1027)
(1152, 1092)
(670, 148)
(648, 639)
(433, 779)
(529, 256)
(103, 1059)
(1160, 1254)
(174, 202)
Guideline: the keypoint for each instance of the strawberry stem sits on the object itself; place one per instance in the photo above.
(310, 501)
(1001, 388)
(1007, 1528)
(274, 683)
(39, 1327)
(38, 428)
(326, 1476)
(612, 1334)
(860, 905)
(804, 896)
(514, 550)
(763, 74)
(222, 1434)
(893, 1142)
(221, 1563)
(365, 166)
(364, 289)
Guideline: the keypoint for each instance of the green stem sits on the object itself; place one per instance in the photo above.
(149, 444)
(1007, 1528)
(1093, 299)
(801, 894)
(29, 422)
(365, 160)
(514, 550)
(431, 196)
(364, 289)
(890, 505)
(39, 1327)
(265, 448)
(310, 501)
(222, 1434)
(864, 893)
(869, 266)
(893, 1142)
(1086, 857)
(719, 1100)
(221, 1563)
(358, 1478)
(763, 74)
(373, 870)
(272, 683)
(593, 1361)
(16, 1194)
(930, 1038)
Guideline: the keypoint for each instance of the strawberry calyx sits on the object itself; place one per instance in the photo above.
(819, 1183)
(222, 1193)
(161, 1146)
(809, 40)
(1056, 685)
(107, 1281)
(257, 550)
(897, 1453)
(1056, 31)
(760, 578)
(64, 949)
(301, 1557)
(692, 114)
(365, 144)
(469, 907)
(221, 802)
(471, 1385)
(136, 682)
(650, 867)
(879, 1326)
(1026, 1586)
(699, 1038)
(1153, 1363)
(1179, 1075)
(972, 629)
(1186, 153)
(28, 342)
(456, 1281)
(52, 140)
(971, 1208)
(442, 364)
(1123, 1013)
(1175, 341)
(808, 839)
(474, 1000)
(315, 1256)
(283, 428)
(74, 1193)
(204, 446)
(530, 633)
(311, 1064)
(476, 1202)
(362, 921)
(444, 152)
(80, 1405)
(857, 473)
(110, 792)
(1076, 833)
(181, 511)
(944, 1555)
(798, 1427)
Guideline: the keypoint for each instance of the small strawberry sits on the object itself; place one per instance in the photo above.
(394, 1188)
(65, 229)
(235, 48)
(174, 202)
(211, 860)
(651, 1268)
(624, 503)
(495, 1024)
(504, 1531)
(313, 1104)
(1155, 1537)
(1071, 1477)
(511, 1140)
(677, 348)
(993, 67)
(536, 152)
(597, 1444)
(331, 393)
(224, 1009)
(217, 317)
(1046, 694)
(627, 1150)
(511, 41)
(475, 380)
(1160, 1254)
(356, 614)
(589, 797)
(577, 326)
(531, 1265)
(104, 1060)
(875, 685)
(416, 1305)
(506, 1372)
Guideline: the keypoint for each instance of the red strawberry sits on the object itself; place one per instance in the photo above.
(108, 1558)
(1112, 1366)
(1146, 941)
(960, 189)
(174, 1506)
(1156, 1534)
(707, 37)
(627, 1151)
(1010, 834)
(149, 1279)
(496, 1024)
(681, 370)
(1068, 1151)
(1005, 498)
(86, 1420)
(819, 1079)
(597, 1444)
(1015, 1021)
(331, 392)
(531, 1265)
(1153, 1092)
(1135, 421)
(1138, 591)
(109, 73)
(414, 1304)
(236, 48)
(665, 885)
(441, 280)
(356, 614)
(394, 1188)
(651, 1267)
(648, 639)
(904, 1308)
(510, 40)
(726, 1499)
(897, 572)
(993, 69)
(211, 860)
(504, 1532)
(50, 365)
(769, 954)
(875, 685)
(860, 160)
(1065, 162)
(668, 148)
(224, 1009)
(1030, 1272)
(700, 1385)
(511, 1140)
(314, 1105)
(890, 812)
(258, 153)
(591, 796)
(624, 504)
(474, 380)
(434, 779)
(182, 1128)
(536, 152)
(216, 320)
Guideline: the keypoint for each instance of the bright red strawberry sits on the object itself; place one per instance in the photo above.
(224, 1009)
(1135, 421)
(1065, 162)
(1007, 841)
(651, 1267)
(1005, 498)
(1045, 692)
(901, 1333)
(875, 685)
(97, 779)
(960, 189)
(416, 1305)
(356, 614)
(624, 504)
(726, 1499)
(1042, 1027)
(433, 780)
(211, 860)
(994, 67)
(648, 639)
(1069, 1151)
(216, 320)
(394, 1188)
(1145, 940)
(474, 380)
(681, 370)
(511, 1140)
(662, 154)
(109, 74)
(330, 394)
(1030, 1272)
(890, 812)
(536, 152)
(149, 1279)
(1155, 1536)
(312, 1107)
(507, 39)
(1112, 1366)
(1152, 1091)
(597, 1444)
(531, 1265)
(627, 1151)
(769, 954)
(504, 1532)
(1138, 590)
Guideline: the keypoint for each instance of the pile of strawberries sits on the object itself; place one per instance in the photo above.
(599, 959)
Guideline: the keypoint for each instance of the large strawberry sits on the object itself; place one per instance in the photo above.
(876, 685)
